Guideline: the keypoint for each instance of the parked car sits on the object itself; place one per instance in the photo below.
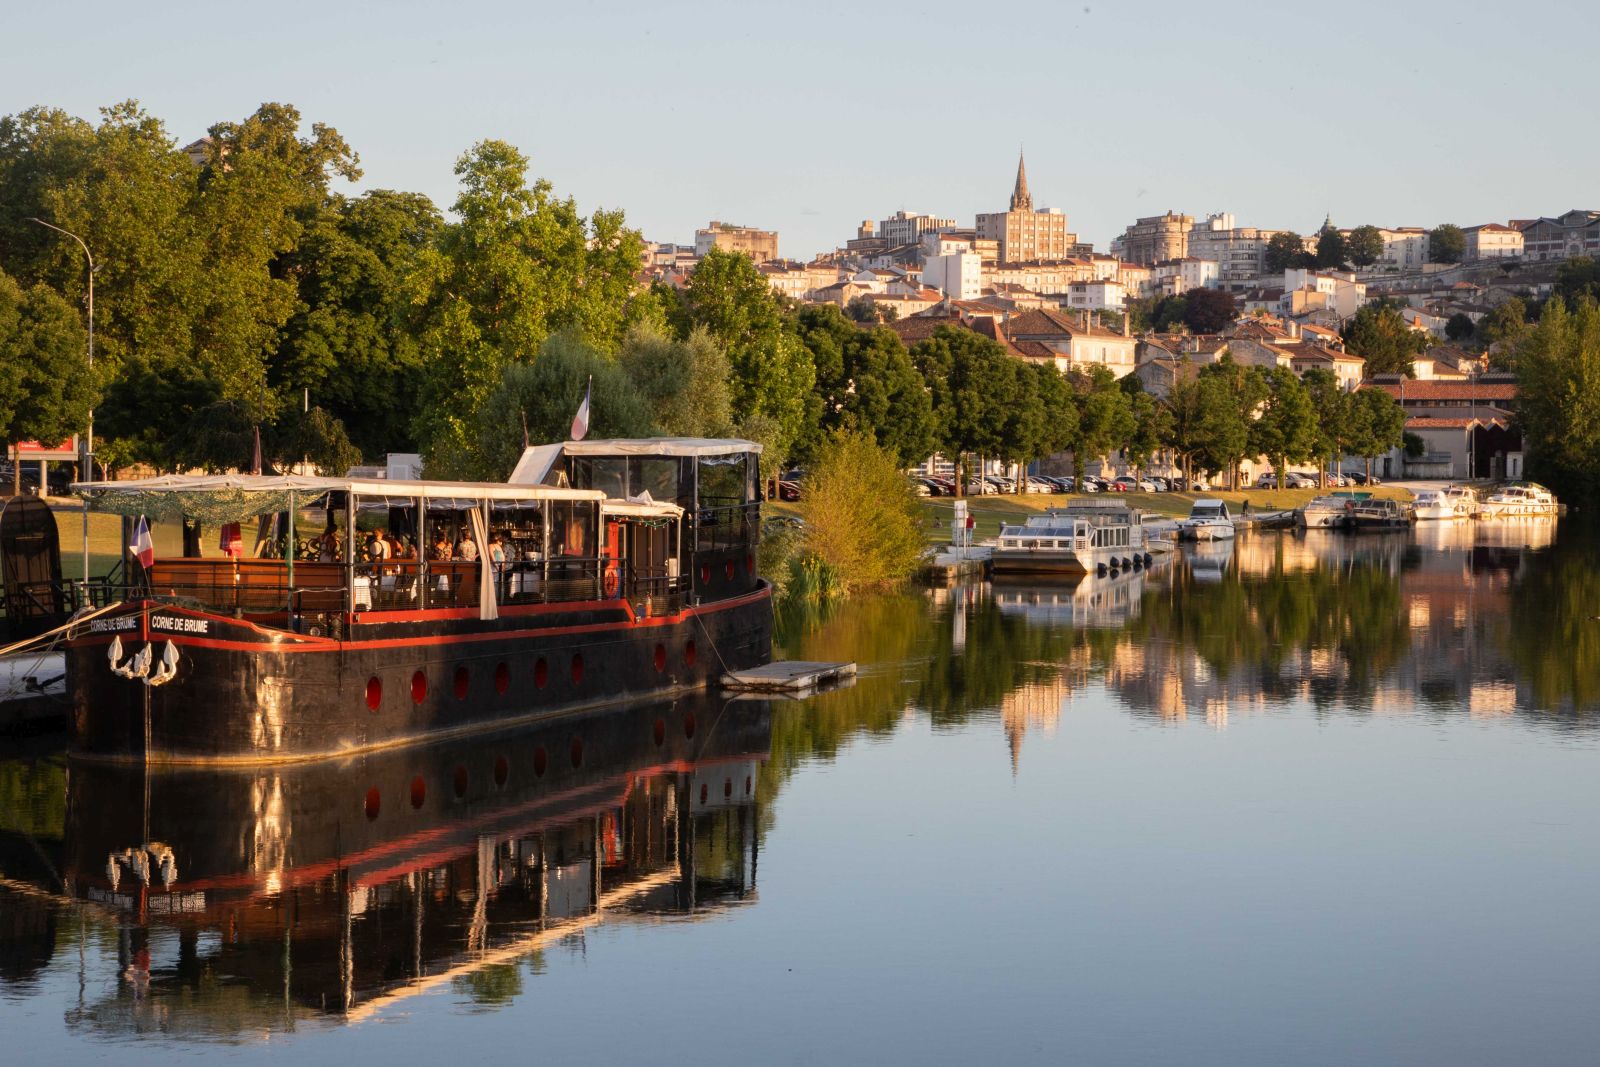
(1124, 484)
(1360, 478)
(1267, 481)
(981, 487)
(946, 486)
(1063, 485)
(1036, 484)
(923, 487)
(1296, 480)
(1161, 484)
(1001, 483)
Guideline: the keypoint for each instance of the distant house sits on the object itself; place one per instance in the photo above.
(1493, 241)
(1159, 375)
(1076, 340)
(1344, 366)
(1577, 233)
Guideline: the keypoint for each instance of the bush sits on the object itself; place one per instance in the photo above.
(862, 519)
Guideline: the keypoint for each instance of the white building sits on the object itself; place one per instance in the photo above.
(1493, 241)
(1240, 252)
(1099, 295)
(907, 227)
(959, 275)
(1307, 290)
(1187, 273)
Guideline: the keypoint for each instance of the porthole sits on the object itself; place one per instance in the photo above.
(689, 654)
(419, 687)
(661, 658)
(502, 678)
(541, 673)
(419, 791)
(660, 732)
(705, 574)
(576, 752)
(541, 761)
(373, 803)
(577, 668)
(463, 682)
(502, 771)
(374, 692)
(688, 724)
(460, 780)
(727, 570)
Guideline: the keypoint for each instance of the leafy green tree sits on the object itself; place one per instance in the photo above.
(1286, 249)
(1105, 421)
(1558, 402)
(1208, 310)
(1333, 252)
(1459, 327)
(684, 382)
(351, 343)
(1168, 313)
(1152, 425)
(1501, 328)
(1184, 410)
(773, 375)
(1230, 395)
(519, 265)
(865, 381)
(1285, 428)
(1331, 406)
(547, 393)
(46, 389)
(1377, 424)
(969, 380)
(1378, 334)
(1577, 278)
(861, 517)
(1364, 245)
(1446, 244)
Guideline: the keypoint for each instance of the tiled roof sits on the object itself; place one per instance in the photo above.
(1430, 422)
(1446, 392)
(1054, 323)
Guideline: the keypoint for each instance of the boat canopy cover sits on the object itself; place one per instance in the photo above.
(230, 496)
(661, 446)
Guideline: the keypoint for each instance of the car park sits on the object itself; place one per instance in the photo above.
(1036, 484)
(1267, 481)
(1124, 484)
(1296, 480)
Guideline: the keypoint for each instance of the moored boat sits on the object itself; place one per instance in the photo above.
(422, 608)
(1329, 512)
(1453, 502)
(1381, 514)
(1208, 521)
(1521, 499)
(1082, 538)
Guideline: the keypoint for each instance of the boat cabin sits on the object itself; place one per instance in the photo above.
(717, 483)
(1078, 526)
(317, 555)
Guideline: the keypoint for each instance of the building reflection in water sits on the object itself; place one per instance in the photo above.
(243, 902)
(1445, 618)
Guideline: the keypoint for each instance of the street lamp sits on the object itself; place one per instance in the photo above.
(86, 467)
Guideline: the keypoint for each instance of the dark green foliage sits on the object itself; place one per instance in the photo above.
(1285, 249)
(865, 382)
(1364, 245)
(1208, 310)
(46, 388)
(1446, 244)
(1379, 334)
(1558, 403)
(1459, 327)
(1332, 251)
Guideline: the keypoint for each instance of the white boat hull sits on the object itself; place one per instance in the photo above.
(1206, 531)
(1494, 510)
(1323, 520)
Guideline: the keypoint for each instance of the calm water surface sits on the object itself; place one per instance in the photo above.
(1325, 799)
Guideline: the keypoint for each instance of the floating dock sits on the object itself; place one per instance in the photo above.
(788, 676)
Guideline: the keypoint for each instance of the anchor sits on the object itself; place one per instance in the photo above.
(137, 666)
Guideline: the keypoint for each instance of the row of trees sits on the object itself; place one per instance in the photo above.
(1361, 247)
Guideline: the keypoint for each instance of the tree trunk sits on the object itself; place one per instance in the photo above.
(1369, 472)
(16, 470)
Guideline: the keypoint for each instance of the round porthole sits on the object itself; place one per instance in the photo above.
(419, 791)
(661, 658)
(689, 654)
(374, 693)
(374, 803)
(577, 752)
(502, 678)
(463, 682)
(541, 673)
(541, 761)
(460, 780)
(688, 724)
(502, 771)
(577, 669)
(419, 687)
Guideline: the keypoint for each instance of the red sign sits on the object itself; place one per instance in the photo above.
(34, 450)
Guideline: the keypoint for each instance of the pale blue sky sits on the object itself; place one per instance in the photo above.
(810, 117)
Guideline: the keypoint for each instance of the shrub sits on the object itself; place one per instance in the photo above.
(862, 519)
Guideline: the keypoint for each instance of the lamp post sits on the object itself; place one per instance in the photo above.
(86, 467)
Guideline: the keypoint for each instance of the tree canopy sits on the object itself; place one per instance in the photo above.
(1364, 245)
(1446, 244)
(1380, 335)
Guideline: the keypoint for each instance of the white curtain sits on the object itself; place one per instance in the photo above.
(488, 607)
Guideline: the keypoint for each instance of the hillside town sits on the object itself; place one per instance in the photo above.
(1021, 277)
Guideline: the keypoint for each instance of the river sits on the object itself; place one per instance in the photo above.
(1299, 799)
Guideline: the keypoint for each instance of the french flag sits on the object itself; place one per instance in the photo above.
(142, 547)
(580, 422)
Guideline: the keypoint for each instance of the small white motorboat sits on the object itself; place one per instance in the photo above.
(1454, 502)
(1522, 499)
(1208, 521)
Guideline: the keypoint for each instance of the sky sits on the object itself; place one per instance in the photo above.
(808, 118)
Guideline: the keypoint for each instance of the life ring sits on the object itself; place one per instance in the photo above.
(611, 582)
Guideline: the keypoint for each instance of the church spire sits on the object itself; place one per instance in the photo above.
(1021, 199)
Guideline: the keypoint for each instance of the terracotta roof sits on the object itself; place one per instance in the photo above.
(1448, 391)
(1054, 323)
(1430, 422)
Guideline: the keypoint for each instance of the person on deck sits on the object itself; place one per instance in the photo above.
(467, 549)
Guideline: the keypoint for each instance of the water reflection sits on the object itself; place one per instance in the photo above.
(243, 902)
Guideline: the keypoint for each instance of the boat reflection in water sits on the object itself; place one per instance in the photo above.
(248, 900)
(1092, 601)
(1208, 560)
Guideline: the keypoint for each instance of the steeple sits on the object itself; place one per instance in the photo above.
(1021, 199)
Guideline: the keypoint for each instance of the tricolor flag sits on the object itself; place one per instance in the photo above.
(143, 549)
(580, 422)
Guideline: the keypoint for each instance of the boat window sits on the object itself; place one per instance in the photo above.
(723, 480)
(572, 528)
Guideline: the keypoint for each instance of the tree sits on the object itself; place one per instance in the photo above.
(519, 265)
(1378, 424)
(1230, 395)
(1378, 334)
(1152, 425)
(865, 381)
(1501, 328)
(1577, 278)
(968, 380)
(1459, 327)
(1105, 420)
(861, 517)
(1446, 244)
(547, 394)
(1285, 428)
(773, 374)
(1208, 310)
(684, 382)
(1183, 404)
(45, 388)
(1558, 401)
(1364, 245)
(1331, 406)
(1168, 313)
(1286, 249)
(1332, 250)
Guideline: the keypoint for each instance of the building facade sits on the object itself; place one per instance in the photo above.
(907, 227)
(1022, 233)
(759, 245)
(1154, 239)
(1493, 241)
(959, 275)
(1577, 233)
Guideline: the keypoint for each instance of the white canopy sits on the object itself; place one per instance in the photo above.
(661, 446)
(285, 483)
